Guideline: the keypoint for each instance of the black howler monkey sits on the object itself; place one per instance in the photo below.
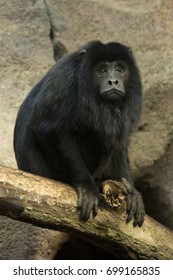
(74, 124)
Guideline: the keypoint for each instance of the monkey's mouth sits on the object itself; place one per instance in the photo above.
(113, 94)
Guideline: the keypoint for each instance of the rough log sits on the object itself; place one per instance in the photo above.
(47, 203)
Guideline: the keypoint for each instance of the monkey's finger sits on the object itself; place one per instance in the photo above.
(127, 187)
(85, 207)
(85, 212)
(128, 203)
(139, 217)
(130, 215)
(84, 215)
(89, 206)
(95, 207)
(79, 201)
(138, 222)
(131, 210)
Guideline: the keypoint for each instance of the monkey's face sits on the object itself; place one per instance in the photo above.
(111, 79)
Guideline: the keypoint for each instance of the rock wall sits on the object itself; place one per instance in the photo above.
(26, 54)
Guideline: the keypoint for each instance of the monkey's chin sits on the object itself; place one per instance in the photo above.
(112, 95)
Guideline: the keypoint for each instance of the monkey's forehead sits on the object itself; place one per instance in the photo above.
(96, 51)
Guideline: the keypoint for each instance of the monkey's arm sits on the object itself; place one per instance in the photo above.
(58, 143)
(88, 194)
(115, 166)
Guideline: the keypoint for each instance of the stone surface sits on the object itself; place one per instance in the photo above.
(26, 55)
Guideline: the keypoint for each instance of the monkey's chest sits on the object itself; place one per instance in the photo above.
(91, 147)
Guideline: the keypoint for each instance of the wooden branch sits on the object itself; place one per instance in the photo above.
(47, 203)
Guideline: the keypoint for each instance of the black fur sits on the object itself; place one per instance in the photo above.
(66, 132)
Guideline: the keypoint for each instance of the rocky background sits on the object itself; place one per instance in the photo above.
(32, 33)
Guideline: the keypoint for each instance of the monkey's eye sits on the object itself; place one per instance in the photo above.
(102, 70)
(120, 68)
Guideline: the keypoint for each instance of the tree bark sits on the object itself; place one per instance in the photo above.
(51, 204)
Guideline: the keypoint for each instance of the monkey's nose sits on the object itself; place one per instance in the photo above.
(113, 82)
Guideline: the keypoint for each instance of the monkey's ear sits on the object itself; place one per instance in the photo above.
(130, 51)
(82, 53)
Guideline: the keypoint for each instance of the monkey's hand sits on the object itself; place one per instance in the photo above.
(135, 208)
(88, 200)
